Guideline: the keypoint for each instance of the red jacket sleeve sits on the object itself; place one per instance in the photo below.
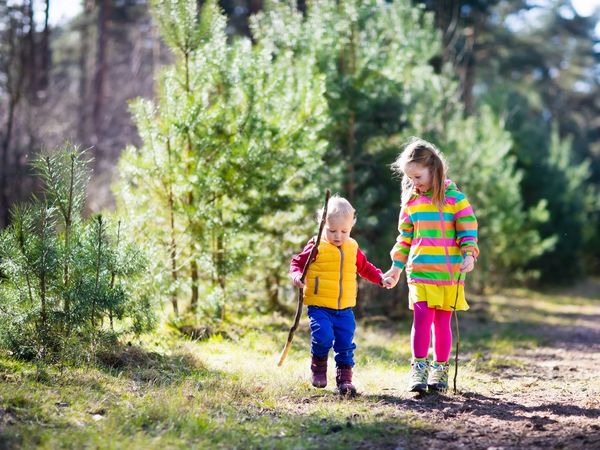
(299, 261)
(367, 270)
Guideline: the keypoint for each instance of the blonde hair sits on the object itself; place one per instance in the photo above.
(423, 153)
(337, 207)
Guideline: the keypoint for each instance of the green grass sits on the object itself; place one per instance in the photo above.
(165, 391)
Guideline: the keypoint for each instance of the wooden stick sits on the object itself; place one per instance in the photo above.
(457, 334)
(288, 344)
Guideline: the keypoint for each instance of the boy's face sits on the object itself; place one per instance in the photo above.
(337, 229)
(420, 176)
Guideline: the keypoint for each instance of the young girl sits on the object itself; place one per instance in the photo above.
(437, 244)
(330, 293)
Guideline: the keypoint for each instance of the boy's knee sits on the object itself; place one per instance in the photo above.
(323, 338)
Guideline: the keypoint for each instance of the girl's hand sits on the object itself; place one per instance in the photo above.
(468, 264)
(391, 277)
(388, 282)
(298, 282)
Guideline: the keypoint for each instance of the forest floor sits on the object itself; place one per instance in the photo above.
(528, 379)
(546, 395)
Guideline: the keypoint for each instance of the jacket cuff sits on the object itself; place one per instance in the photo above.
(470, 253)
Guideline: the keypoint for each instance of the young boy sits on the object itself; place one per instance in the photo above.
(330, 293)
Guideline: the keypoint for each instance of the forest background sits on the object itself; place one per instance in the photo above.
(212, 135)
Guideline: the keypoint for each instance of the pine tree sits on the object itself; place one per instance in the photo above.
(63, 275)
(381, 89)
(231, 138)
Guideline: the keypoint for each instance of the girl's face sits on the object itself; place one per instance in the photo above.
(420, 176)
(337, 229)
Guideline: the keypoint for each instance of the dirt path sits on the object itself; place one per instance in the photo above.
(548, 397)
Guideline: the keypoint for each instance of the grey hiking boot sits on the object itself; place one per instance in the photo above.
(418, 375)
(438, 377)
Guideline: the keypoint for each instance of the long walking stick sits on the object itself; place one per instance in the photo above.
(457, 335)
(288, 344)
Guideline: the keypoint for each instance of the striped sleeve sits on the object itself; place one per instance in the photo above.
(400, 251)
(466, 226)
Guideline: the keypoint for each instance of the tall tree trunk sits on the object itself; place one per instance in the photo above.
(45, 63)
(469, 62)
(194, 278)
(272, 283)
(447, 18)
(32, 66)
(100, 78)
(155, 36)
(255, 6)
(348, 66)
(221, 270)
(4, 163)
(14, 91)
(350, 172)
(447, 15)
(82, 124)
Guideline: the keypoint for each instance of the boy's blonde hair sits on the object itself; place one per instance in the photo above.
(423, 153)
(338, 207)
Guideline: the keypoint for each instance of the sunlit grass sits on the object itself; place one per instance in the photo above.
(227, 391)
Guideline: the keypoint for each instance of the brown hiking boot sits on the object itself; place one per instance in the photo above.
(344, 380)
(318, 367)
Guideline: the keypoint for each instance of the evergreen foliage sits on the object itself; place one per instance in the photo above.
(381, 89)
(572, 204)
(243, 135)
(553, 175)
(539, 73)
(65, 276)
(230, 143)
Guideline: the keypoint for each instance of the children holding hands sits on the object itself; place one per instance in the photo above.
(436, 246)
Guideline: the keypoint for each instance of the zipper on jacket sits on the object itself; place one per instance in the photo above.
(341, 275)
(445, 246)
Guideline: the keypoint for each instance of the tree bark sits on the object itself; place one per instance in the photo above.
(31, 79)
(100, 78)
(82, 124)
(461, 56)
(46, 57)
(194, 277)
(469, 63)
(14, 91)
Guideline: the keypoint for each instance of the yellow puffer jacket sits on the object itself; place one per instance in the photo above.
(331, 278)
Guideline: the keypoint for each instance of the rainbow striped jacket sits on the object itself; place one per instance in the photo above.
(432, 243)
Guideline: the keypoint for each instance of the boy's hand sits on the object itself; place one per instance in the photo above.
(298, 282)
(468, 264)
(388, 282)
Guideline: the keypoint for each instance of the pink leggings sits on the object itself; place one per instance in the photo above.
(420, 335)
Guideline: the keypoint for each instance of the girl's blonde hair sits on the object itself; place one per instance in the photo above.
(419, 151)
(337, 207)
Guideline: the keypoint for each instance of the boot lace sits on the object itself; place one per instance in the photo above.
(418, 372)
(439, 374)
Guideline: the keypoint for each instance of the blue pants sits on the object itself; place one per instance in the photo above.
(332, 328)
